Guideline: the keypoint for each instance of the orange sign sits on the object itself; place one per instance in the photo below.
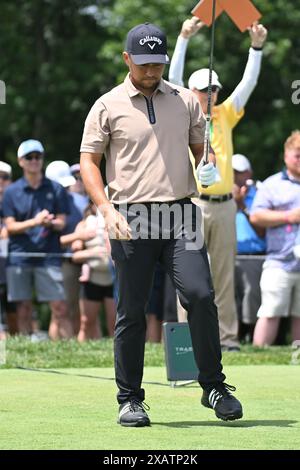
(242, 12)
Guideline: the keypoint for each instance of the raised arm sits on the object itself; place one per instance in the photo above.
(189, 28)
(242, 92)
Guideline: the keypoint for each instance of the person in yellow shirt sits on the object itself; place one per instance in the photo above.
(216, 201)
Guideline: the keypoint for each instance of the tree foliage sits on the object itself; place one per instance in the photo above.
(53, 68)
(58, 57)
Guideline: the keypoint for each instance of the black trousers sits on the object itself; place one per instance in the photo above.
(135, 262)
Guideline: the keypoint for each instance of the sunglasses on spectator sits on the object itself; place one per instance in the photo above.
(77, 176)
(5, 177)
(214, 89)
(35, 156)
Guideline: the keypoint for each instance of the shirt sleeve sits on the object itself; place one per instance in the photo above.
(8, 207)
(96, 132)
(262, 199)
(241, 94)
(232, 115)
(177, 62)
(197, 124)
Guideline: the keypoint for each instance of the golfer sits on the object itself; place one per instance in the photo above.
(145, 127)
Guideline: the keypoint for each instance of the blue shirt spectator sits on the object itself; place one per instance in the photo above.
(23, 202)
(280, 192)
(248, 242)
(5, 181)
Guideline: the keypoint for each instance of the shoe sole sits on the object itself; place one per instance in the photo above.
(229, 417)
(136, 424)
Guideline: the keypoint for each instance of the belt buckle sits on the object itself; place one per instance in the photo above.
(215, 198)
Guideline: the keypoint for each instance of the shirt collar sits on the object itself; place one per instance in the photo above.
(285, 176)
(133, 91)
(25, 184)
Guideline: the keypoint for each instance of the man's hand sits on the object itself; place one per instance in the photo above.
(206, 173)
(190, 27)
(86, 234)
(258, 34)
(293, 216)
(77, 245)
(239, 195)
(56, 223)
(43, 218)
(115, 223)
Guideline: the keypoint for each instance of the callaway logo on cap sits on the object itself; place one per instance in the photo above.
(147, 44)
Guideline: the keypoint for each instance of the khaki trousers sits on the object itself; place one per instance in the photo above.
(220, 239)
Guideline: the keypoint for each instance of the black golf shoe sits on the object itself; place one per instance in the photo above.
(219, 398)
(133, 413)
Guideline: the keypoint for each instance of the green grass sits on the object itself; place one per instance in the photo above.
(43, 410)
(62, 354)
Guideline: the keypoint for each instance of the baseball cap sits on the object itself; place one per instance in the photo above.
(60, 172)
(5, 168)
(147, 44)
(29, 146)
(240, 163)
(200, 79)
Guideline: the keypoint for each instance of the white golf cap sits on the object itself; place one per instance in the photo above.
(200, 79)
(29, 146)
(5, 168)
(60, 172)
(240, 163)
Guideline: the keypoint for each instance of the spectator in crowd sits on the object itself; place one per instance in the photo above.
(35, 211)
(250, 241)
(78, 186)
(216, 201)
(96, 283)
(276, 207)
(7, 309)
(60, 172)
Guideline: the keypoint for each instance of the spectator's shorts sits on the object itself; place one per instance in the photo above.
(94, 292)
(280, 293)
(45, 282)
(8, 307)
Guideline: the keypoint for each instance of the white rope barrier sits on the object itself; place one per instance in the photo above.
(69, 255)
(36, 255)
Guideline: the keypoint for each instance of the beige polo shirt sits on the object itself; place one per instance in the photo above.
(146, 141)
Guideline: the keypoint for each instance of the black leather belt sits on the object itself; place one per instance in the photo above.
(215, 197)
(186, 200)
